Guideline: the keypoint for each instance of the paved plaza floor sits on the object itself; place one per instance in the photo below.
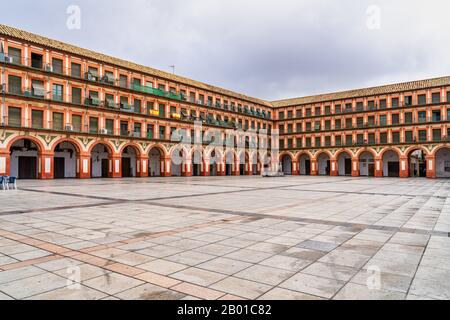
(226, 238)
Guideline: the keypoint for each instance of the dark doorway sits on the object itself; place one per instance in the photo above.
(59, 165)
(126, 167)
(348, 167)
(327, 169)
(229, 169)
(105, 164)
(28, 168)
(371, 170)
(242, 169)
(197, 170)
(308, 167)
(393, 169)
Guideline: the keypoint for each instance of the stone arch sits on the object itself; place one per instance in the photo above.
(179, 155)
(230, 159)
(156, 158)
(344, 162)
(366, 160)
(442, 162)
(197, 156)
(130, 154)
(286, 160)
(362, 150)
(416, 162)
(304, 162)
(390, 160)
(104, 143)
(101, 160)
(65, 158)
(25, 161)
(323, 160)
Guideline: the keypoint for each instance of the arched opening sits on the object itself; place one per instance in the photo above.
(65, 161)
(443, 163)
(24, 159)
(417, 164)
(197, 160)
(229, 161)
(214, 159)
(366, 164)
(391, 164)
(129, 162)
(286, 163)
(178, 158)
(255, 161)
(305, 165)
(344, 164)
(155, 158)
(100, 163)
(323, 164)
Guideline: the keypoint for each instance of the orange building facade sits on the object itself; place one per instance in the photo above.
(68, 112)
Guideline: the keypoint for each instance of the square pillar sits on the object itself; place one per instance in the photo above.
(431, 167)
(45, 165)
(142, 167)
(355, 168)
(334, 171)
(4, 163)
(83, 166)
(115, 167)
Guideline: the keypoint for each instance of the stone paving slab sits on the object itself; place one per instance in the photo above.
(226, 238)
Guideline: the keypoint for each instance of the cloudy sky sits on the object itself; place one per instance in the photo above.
(267, 49)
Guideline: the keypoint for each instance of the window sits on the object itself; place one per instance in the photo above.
(436, 97)
(422, 116)
(109, 101)
(337, 141)
(57, 65)
(408, 136)
(281, 129)
(299, 127)
(448, 96)
(93, 72)
(76, 123)
(14, 117)
(137, 105)
(448, 114)
(123, 81)
(173, 110)
(290, 114)
(422, 99)
(36, 60)
(436, 114)
(395, 137)
(308, 112)
(37, 88)
(328, 141)
(282, 144)
(109, 126)
(162, 110)
(290, 144)
(299, 113)
(58, 121)
(76, 95)
(371, 137)
(395, 119)
(93, 124)
(290, 128)
(348, 107)
(408, 117)
(57, 92)
(281, 115)
(15, 54)
(383, 121)
(360, 106)
(299, 142)
(337, 123)
(408, 100)
(124, 128)
(371, 120)
(317, 126)
(348, 140)
(383, 104)
(308, 142)
(422, 135)
(124, 103)
(150, 129)
(360, 122)
(348, 123)
(137, 129)
(395, 102)
(75, 70)
(327, 125)
(317, 111)
(337, 108)
(437, 134)
(37, 119)
(162, 132)
(308, 126)
(360, 139)
(383, 138)
(371, 105)
(14, 84)
(318, 142)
